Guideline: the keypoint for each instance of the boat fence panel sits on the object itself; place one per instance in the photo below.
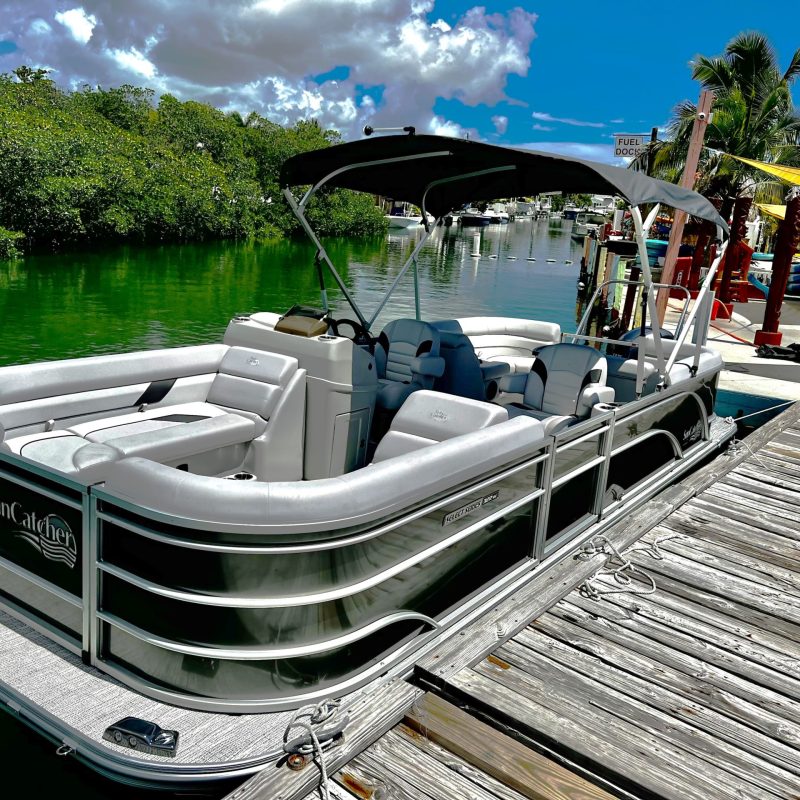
(42, 549)
(251, 624)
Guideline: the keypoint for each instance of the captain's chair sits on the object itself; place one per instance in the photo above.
(565, 381)
(407, 357)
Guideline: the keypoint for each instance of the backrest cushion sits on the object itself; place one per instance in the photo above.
(559, 374)
(462, 373)
(403, 340)
(428, 417)
(251, 380)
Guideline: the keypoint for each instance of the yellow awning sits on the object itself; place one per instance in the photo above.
(788, 174)
(779, 212)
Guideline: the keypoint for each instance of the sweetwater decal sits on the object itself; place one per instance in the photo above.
(469, 508)
(49, 534)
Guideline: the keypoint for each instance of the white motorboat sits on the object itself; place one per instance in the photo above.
(587, 222)
(497, 214)
(474, 218)
(403, 217)
(247, 526)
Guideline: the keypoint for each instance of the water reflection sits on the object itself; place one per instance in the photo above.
(131, 298)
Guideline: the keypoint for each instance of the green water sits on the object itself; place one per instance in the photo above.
(137, 298)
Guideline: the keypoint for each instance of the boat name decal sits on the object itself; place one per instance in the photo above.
(469, 508)
(691, 435)
(49, 534)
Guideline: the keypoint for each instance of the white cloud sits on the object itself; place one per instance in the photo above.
(500, 123)
(78, 23)
(545, 117)
(134, 61)
(591, 152)
(258, 56)
(39, 27)
(538, 127)
(439, 126)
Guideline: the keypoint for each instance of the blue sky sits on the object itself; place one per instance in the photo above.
(599, 63)
(563, 76)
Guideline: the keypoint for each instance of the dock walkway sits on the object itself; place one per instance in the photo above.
(608, 689)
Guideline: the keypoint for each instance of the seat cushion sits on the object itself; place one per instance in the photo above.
(392, 394)
(429, 417)
(251, 380)
(182, 441)
(553, 423)
(558, 376)
(151, 419)
(51, 448)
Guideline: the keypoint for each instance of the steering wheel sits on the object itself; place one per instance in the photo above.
(360, 336)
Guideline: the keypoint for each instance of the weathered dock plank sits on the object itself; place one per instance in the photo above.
(673, 669)
(620, 748)
(375, 713)
(733, 653)
(731, 744)
(529, 774)
(730, 559)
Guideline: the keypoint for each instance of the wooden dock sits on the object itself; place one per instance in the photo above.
(690, 690)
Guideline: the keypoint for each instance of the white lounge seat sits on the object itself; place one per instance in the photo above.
(505, 340)
(244, 395)
(565, 381)
(429, 417)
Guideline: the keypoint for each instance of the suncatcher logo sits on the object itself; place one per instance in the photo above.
(49, 534)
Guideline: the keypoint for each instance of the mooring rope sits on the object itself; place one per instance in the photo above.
(317, 739)
(623, 574)
(762, 411)
(734, 448)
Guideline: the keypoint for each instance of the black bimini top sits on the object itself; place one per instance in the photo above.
(443, 174)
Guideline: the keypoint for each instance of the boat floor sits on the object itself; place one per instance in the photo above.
(36, 667)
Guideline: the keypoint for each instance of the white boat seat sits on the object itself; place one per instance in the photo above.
(565, 381)
(243, 396)
(182, 441)
(429, 417)
(249, 384)
(53, 448)
(622, 377)
(407, 358)
(149, 419)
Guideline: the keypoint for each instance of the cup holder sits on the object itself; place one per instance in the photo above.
(241, 476)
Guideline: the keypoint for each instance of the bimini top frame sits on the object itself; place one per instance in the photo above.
(440, 174)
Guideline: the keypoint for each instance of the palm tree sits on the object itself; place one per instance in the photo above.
(753, 116)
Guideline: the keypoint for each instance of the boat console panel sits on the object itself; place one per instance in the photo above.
(341, 387)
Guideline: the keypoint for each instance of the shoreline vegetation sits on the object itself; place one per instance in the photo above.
(110, 166)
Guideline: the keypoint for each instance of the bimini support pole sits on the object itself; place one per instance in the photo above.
(322, 255)
(412, 259)
(647, 275)
(702, 296)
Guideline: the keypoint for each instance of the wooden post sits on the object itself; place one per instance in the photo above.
(741, 209)
(687, 182)
(785, 248)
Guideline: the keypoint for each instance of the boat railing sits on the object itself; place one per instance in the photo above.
(530, 510)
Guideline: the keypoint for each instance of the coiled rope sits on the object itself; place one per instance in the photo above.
(324, 726)
(623, 574)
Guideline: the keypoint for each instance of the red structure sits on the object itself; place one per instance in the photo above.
(785, 247)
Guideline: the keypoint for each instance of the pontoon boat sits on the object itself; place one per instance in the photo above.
(247, 526)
